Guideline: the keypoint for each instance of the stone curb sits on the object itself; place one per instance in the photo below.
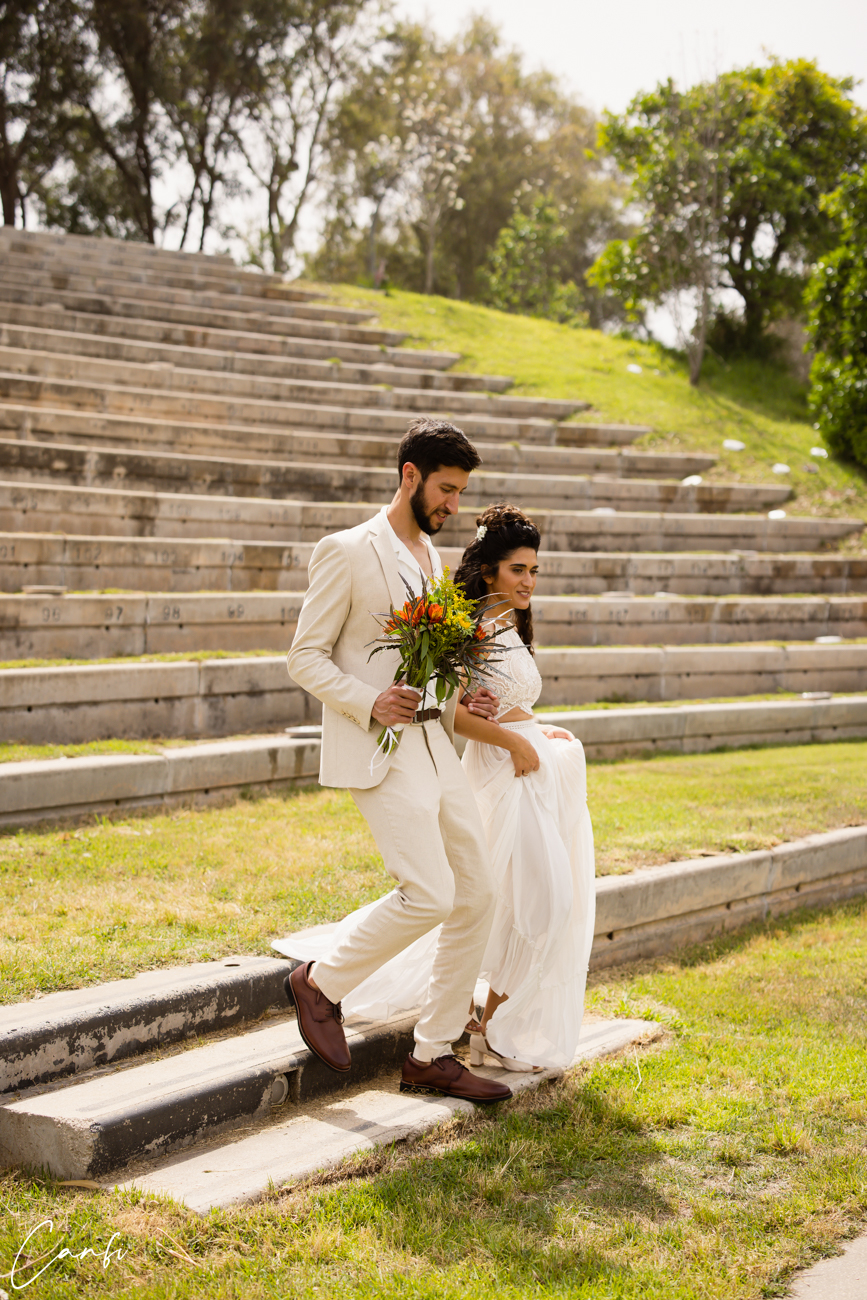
(656, 910)
(32, 792)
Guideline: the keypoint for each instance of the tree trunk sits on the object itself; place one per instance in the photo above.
(9, 193)
(371, 248)
(429, 258)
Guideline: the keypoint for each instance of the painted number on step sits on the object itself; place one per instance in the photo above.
(172, 613)
(236, 611)
(7, 552)
(51, 614)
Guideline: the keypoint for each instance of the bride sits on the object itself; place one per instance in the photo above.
(530, 783)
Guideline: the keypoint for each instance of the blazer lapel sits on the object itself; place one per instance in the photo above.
(385, 552)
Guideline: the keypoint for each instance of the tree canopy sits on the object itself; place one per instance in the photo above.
(837, 325)
(757, 149)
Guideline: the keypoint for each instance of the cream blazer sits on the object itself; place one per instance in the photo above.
(353, 575)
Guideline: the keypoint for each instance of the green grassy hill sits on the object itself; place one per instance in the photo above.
(760, 403)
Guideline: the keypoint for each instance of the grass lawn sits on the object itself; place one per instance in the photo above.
(707, 1168)
(759, 403)
(108, 900)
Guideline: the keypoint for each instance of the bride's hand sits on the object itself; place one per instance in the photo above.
(524, 757)
(557, 733)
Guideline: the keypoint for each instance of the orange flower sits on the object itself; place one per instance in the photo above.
(479, 634)
(418, 613)
(435, 613)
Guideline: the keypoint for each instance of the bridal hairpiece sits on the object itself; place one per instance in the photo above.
(480, 532)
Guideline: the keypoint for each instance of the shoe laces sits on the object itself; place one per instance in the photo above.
(337, 1012)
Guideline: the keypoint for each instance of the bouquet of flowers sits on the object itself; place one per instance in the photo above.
(439, 637)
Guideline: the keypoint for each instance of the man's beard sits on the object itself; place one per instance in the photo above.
(426, 522)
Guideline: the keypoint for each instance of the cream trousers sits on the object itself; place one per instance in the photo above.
(426, 826)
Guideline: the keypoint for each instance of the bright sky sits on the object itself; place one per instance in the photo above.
(607, 52)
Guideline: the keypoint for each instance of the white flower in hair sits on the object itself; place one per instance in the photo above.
(480, 532)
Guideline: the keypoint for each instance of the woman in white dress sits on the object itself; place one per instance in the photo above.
(530, 782)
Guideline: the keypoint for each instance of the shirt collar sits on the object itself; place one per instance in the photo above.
(405, 554)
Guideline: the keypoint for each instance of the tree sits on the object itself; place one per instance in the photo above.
(526, 268)
(42, 55)
(286, 137)
(785, 135)
(525, 138)
(677, 258)
(837, 325)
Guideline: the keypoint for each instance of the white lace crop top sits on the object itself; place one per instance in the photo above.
(517, 681)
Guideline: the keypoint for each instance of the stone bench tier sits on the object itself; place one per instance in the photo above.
(129, 283)
(95, 625)
(164, 333)
(174, 381)
(45, 790)
(207, 698)
(27, 505)
(43, 424)
(248, 365)
(314, 481)
(262, 320)
(176, 565)
(232, 282)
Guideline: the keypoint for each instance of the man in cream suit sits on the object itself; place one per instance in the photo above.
(416, 801)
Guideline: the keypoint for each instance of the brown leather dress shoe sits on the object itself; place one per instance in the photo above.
(447, 1076)
(320, 1022)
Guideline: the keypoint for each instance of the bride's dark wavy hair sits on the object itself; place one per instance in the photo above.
(507, 530)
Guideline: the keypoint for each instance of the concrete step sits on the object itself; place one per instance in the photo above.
(93, 625)
(44, 241)
(212, 384)
(252, 366)
(200, 278)
(700, 728)
(77, 703)
(93, 563)
(33, 503)
(102, 1123)
(309, 1140)
(62, 1034)
(191, 776)
(316, 481)
(262, 320)
(159, 333)
(85, 429)
(580, 433)
(129, 283)
(48, 791)
(385, 415)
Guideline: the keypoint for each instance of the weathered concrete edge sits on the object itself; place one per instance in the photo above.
(72, 1031)
(86, 1145)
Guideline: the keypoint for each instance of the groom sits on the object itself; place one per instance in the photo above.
(417, 801)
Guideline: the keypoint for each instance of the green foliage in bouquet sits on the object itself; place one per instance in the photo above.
(439, 637)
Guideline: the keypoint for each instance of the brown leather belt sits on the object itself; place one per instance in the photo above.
(428, 715)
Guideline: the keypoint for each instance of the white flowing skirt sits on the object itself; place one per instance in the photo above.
(541, 844)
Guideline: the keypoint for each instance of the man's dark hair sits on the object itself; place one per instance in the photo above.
(431, 444)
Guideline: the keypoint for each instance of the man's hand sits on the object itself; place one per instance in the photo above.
(397, 704)
(483, 703)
